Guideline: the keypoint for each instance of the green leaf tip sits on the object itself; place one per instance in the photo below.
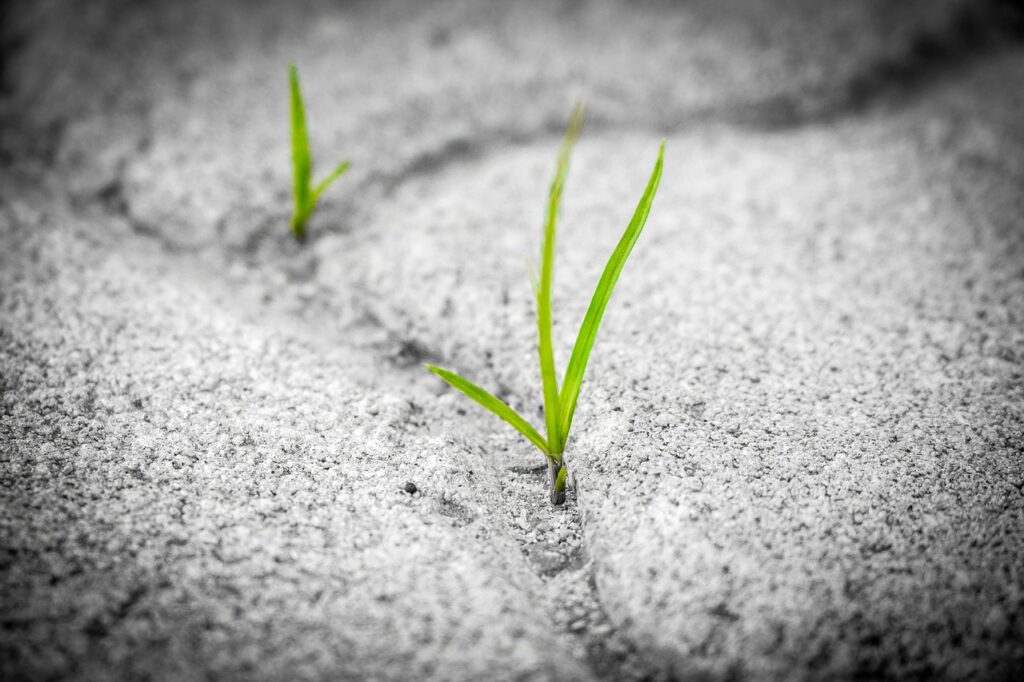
(574, 127)
(326, 182)
(305, 194)
(499, 408)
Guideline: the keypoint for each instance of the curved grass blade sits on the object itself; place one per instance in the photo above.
(326, 182)
(592, 320)
(302, 161)
(549, 378)
(493, 404)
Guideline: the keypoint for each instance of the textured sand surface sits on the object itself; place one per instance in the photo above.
(798, 452)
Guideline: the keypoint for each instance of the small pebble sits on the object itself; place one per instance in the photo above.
(410, 487)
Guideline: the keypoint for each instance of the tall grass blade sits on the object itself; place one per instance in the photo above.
(301, 159)
(547, 267)
(592, 320)
(493, 404)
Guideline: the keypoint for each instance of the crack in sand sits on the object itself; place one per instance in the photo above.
(553, 543)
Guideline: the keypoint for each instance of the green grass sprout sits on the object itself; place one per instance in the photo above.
(306, 194)
(560, 402)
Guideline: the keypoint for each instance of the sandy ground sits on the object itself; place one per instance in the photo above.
(798, 452)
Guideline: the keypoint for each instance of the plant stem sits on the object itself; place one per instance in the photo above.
(556, 482)
(299, 227)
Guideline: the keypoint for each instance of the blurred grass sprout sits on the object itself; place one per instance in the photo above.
(306, 194)
(560, 403)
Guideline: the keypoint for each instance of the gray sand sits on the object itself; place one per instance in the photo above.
(798, 451)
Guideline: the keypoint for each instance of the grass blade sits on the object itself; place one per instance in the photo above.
(493, 404)
(326, 182)
(592, 320)
(302, 161)
(552, 411)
